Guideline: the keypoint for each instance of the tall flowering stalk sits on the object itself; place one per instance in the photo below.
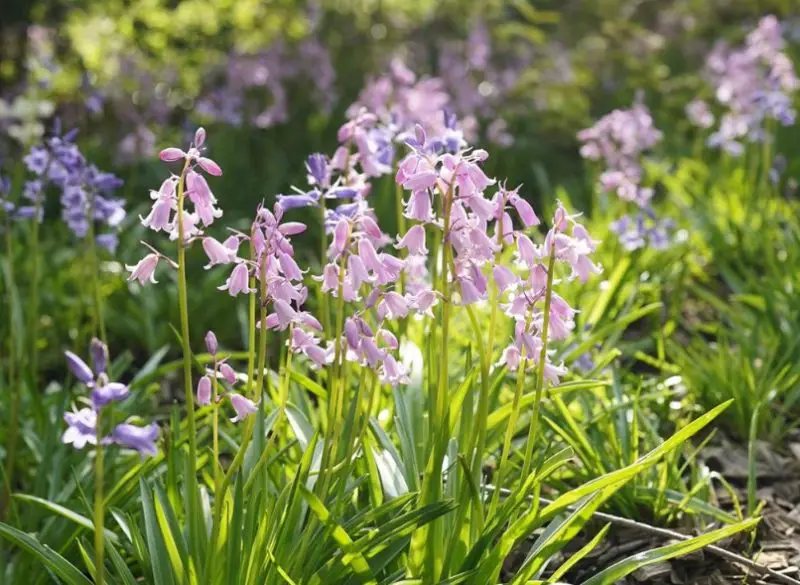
(88, 426)
(169, 214)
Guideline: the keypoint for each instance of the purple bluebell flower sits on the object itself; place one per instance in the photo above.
(141, 439)
(81, 428)
(296, 201)
(754, 83)
(104, 392)
(317, 166)
(244, 407)
(79, 368)
(145, 270)
(82, 424)
(109, 241)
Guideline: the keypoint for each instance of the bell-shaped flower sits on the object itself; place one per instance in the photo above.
(419, 206)
(244, 407)
(145, 270)
(413, 241)
(204, 391)
(238, 281)
(228, 373)
(217, 252)
(503, 277)
(141, 439)
(211, 343)
(524, 210)
(393, 372)
(105, 393)
(79, 368)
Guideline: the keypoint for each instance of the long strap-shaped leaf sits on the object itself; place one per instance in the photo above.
(351, 558)
(58, 564)
(627, 566)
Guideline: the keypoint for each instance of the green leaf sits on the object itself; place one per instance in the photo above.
(351, 557)
(54, 561)
(308, 384)
(159, 559)
(578, 556)
(60, 510)
(627, 566)
(624, 474)
(300, 425)
(120, 566)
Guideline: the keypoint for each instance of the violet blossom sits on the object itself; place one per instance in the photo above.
(82, 424)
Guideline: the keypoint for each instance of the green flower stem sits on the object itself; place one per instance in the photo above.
(322, 298)
(99, 319)
(509, 435)
(401, 229)
(183, 302)
(215, 431)
(262, 335)
(335, 388)
(477, 443)
(33, 307)
(251, 328)
(14, 372)
(533, 433)
(432, 484)
(13, 384)
(99, 508)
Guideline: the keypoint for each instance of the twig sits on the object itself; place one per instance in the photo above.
(642, 527)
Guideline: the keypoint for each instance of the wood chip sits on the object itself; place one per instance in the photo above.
(651, 572)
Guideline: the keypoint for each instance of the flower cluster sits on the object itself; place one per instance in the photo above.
(619, 140)
(359, 272)
(221, 370)
(465, 215)
(537, 319)
(82, 424)
(754, 83)
(279, 280)
(164, 214)
(86, 191)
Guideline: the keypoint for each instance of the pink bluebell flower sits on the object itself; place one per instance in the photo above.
(145, 270)
(244, 407)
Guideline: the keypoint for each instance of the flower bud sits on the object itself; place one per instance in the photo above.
(211, 343)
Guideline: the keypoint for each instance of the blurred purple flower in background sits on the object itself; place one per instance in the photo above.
(754, 84)
(86, 191)
(620, 140)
